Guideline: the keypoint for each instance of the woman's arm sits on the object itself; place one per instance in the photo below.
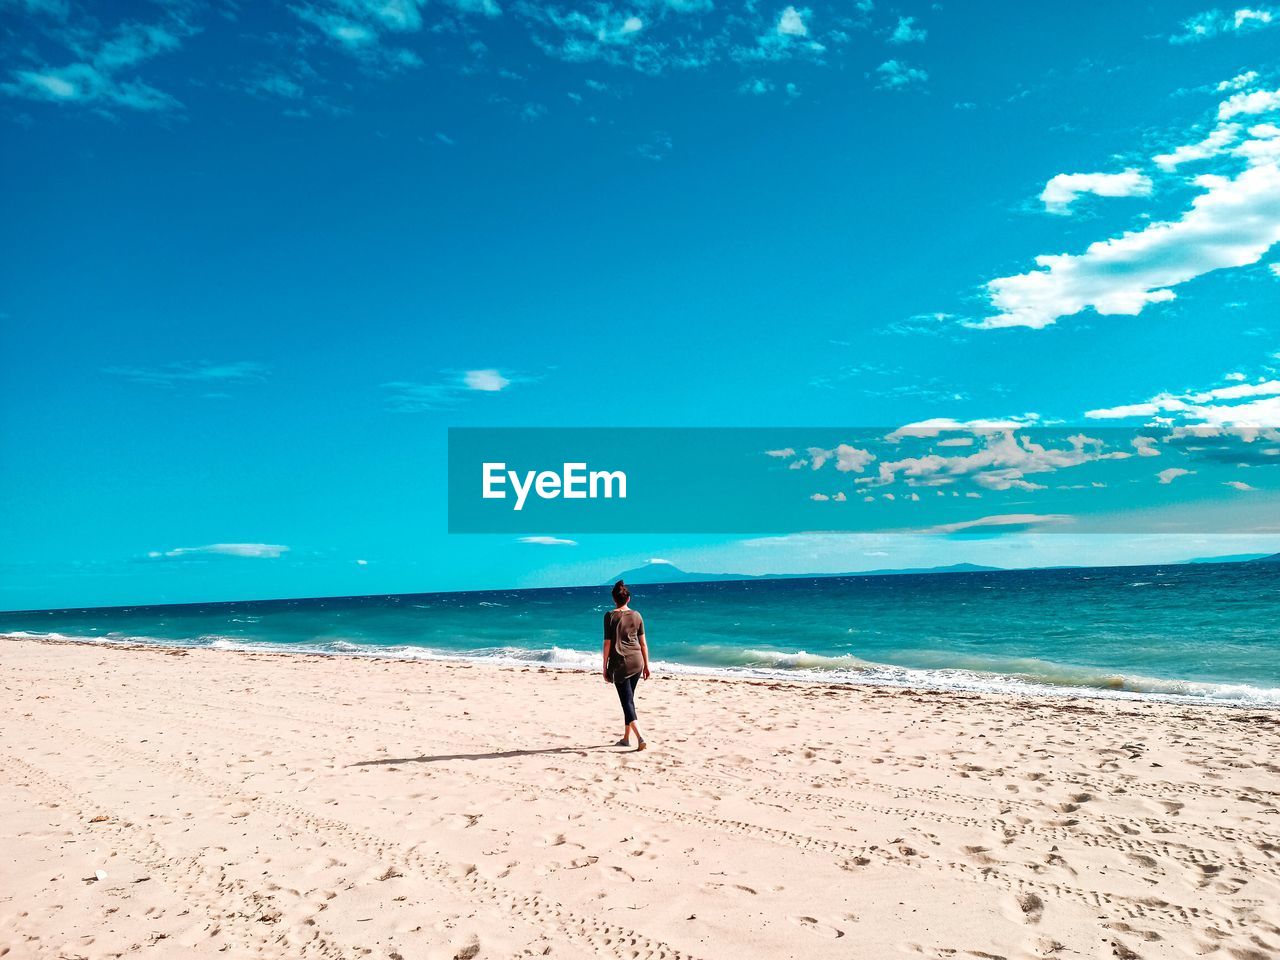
(604, 669)
(644, 649)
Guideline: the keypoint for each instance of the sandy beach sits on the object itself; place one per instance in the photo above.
(173, 803)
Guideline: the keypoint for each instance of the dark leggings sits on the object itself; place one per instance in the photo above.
(626, 687)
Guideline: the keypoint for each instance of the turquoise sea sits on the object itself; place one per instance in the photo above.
(1200, 633)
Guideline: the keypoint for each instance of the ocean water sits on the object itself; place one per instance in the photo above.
(1194, 633)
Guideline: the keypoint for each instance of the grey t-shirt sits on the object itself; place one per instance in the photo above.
(625, 628)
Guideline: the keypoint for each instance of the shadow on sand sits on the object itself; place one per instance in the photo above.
(498, 755)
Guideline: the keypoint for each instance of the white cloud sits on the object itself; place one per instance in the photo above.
(551, 542)
(362, 563)
(1249, 405)
(257, 551)
(488, 381)
(1063, 190)
(1248, 104)
(1003, 521)
(1222, 136)
(907, 32)
(939, 425)
(1246, 16)
(1146, 446)
(1232, 224)
(848, 459)
(784, 452)
(1239, 485)
(1275, 268)
(791, 23)
(1003, 462)
(819, 497)
(1172, 474)
(851, 459)
(1239, 82)
(896, 75)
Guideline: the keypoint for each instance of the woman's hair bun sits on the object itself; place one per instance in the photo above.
(620, 593)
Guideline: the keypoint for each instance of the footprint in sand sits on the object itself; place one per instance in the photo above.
(1030, 906)
(1043, 948)
(980, 855)
(814, 925)
(738, 888)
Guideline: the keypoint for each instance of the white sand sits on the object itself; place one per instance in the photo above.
(246, 805)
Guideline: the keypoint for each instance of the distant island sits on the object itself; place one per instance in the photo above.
(664, 571)
(1240, 558)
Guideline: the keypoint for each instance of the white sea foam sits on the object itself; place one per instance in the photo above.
(1023, 676)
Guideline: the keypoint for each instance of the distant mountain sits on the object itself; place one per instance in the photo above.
(1238, 558)
(664, 572)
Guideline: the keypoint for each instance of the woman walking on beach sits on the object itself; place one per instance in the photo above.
(626, 658)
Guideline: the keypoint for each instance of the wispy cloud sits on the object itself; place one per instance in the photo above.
(203, 372)
(1172, 473)
(98, 77)
(1001, 523)
(896, 75)
(907, 32)
(410, 397)
(253, 551)
(1215, 23)
(549, 541)
(937, 324)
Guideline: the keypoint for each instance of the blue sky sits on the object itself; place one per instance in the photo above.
(256, 258)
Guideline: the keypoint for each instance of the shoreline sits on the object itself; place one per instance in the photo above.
(1009, 686)
(270, 805)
